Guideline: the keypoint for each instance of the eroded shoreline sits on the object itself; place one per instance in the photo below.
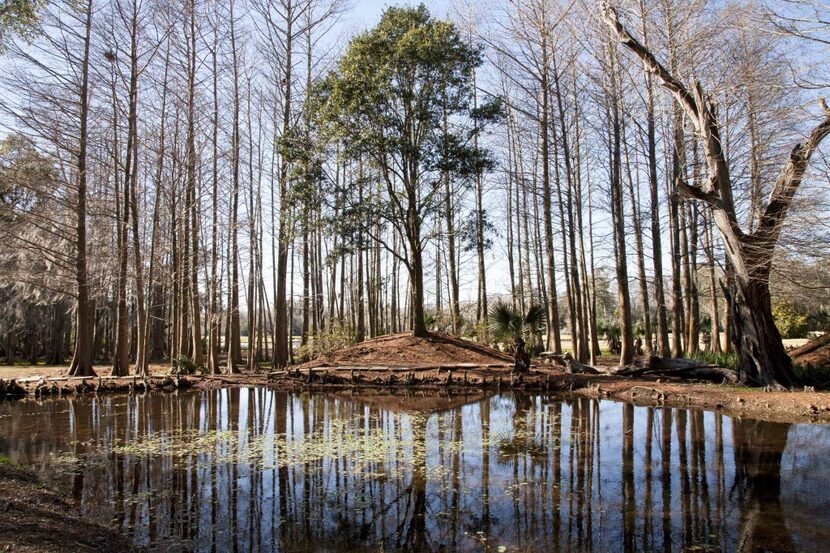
(793, 407)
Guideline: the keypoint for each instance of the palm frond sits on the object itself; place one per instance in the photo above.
(504, 320)
(535, 317)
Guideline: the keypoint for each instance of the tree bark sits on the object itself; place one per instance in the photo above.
(234, 346)
(757, 342)
(82, 357)
(618, 213)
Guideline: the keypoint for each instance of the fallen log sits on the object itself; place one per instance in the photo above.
(686, 368)
(573, 366)
(386, 369)
(11, 388)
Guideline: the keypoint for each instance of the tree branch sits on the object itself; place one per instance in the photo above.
(680, 92)
(790, 179)
(697, 193)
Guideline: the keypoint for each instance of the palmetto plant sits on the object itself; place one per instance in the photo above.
(507, 322)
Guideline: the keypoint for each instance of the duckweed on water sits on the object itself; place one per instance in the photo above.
(364, 450)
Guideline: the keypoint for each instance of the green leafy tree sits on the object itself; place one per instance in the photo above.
(507, 322)
(790, 322)
(17, 18)
(387, 102)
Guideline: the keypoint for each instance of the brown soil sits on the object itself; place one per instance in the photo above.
(403, 363)
(815, 352)
(8, 372)
(34, 518)
(808, 407)
(405, 350)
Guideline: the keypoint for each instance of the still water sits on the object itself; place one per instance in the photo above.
(256, 469)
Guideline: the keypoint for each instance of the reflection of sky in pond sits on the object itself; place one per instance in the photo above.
(257, 469)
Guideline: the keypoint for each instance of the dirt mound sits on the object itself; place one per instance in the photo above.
(815, 352)
(405, 350)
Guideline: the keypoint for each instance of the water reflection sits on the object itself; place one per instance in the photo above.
(256, 469)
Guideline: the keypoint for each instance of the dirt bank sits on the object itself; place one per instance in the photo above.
(808, 407)
(36, 519)
(405, 364)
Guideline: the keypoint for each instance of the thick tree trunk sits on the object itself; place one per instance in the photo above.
(759, 447)
(416, 275)
(762, 359)
(761, 356)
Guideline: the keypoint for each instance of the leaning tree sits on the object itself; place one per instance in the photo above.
(762, 359)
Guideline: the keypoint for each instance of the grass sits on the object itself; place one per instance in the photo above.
(724, 360)
(4, 460)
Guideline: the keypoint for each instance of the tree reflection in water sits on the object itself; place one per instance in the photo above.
(257, 469)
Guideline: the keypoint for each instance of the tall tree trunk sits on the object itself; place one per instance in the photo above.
(554, 340)
(449, 214)
(618, 214)
(678, 168)
(82, 357)
(141, 307)
(595, 347)
(715, 345)
(252, 251)
(213, 316)
(572, 268)
(193, 207)
(121, 357)
(283, 332)
(663, 346)
(481, 301)
(234, 339)
(638, 245)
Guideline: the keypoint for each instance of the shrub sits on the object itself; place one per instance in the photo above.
(326, 342)
(183, 365)
(724, 360)
(790, 323)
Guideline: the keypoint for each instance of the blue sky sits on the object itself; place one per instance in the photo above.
(365, 13)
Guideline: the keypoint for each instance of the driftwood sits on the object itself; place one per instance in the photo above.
(11, 388)
(571, 365)
(385, 369)
(653, 366)
(685, 368)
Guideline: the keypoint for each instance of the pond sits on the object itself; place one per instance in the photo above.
(259, 469)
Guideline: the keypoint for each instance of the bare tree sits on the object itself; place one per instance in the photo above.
(757, 342)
